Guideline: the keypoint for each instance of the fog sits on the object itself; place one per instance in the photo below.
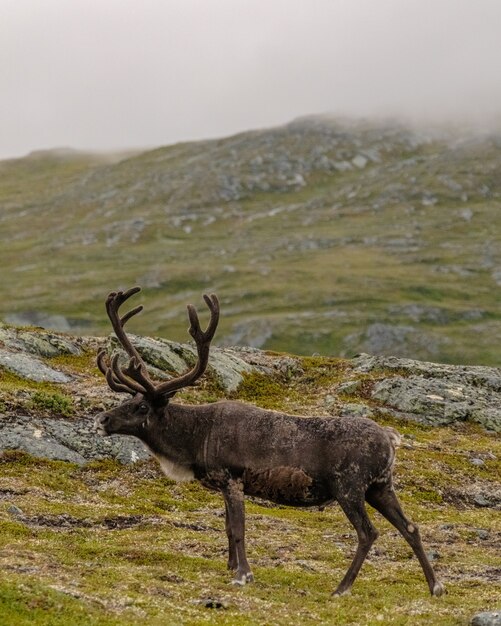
(114, 74)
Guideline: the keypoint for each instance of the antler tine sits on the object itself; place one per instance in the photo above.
(114, 385)
(195, 330)
(113, 382)
(202, 340)
(122, 376)
(134, 378)
(100, 362)
(136, 372)
(130, 314)
(113, 303)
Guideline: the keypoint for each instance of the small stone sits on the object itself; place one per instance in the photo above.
(349, 386)
(15, 511)
(429, 200)
(433, 555)
(476, 461)
(342, 166)
(487, 618)
(306, 565)
(481, 500)
(359, 161)
(212, 603)
(482, 533)
(353, 409)
(329, 400)
(466, 214)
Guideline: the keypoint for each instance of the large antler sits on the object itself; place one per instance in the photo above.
(202, 340)
(135, 378)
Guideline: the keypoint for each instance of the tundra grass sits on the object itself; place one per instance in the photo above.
(111, 544)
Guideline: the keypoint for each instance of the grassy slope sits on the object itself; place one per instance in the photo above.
(106, 544)
(315, 264)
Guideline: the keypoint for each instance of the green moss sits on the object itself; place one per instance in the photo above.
(45, 398)
(427, 495)
(52, 403)
(12, 382)
(209, 389)
(24, 602)
(85, 362)
(12, 531)
(264, 390)
(322, 371)
(14, 459)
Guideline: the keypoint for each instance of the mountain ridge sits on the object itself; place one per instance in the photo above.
(320, 236)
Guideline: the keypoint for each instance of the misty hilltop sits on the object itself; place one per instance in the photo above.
(321, 236)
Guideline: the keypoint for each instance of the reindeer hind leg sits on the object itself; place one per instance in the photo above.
(382, 497)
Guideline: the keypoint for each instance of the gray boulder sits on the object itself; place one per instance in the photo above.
(435, 393)
(66, 440)
(31, 368)
(487, 618)
(37, 342)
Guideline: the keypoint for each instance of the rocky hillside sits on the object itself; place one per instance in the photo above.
(322, 236)
(50, 388)
(91, 533)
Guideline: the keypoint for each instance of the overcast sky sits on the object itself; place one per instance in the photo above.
(112, 74)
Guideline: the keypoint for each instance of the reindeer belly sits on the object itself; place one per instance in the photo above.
(285, 485)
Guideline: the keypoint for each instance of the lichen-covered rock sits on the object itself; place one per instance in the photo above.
(487, 618)
(66, 440)
(31, 368)
(353, 409)
(228, 368)
(161, 354)
(39, 343)
(436, 393)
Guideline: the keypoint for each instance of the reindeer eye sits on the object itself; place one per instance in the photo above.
(143, 408)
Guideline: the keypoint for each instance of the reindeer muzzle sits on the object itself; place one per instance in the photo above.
(100, 424)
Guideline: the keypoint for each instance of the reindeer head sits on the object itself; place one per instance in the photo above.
(145, 410)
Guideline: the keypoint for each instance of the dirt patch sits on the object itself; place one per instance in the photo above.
(123, 521)
(197, 527)
(489, 574)
(65, 521)
(486, 495)
(6, 494)
(56, 521)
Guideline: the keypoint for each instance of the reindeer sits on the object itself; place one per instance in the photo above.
(236, 449)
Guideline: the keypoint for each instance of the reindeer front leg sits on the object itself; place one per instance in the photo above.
(233, 494)
(232, 553)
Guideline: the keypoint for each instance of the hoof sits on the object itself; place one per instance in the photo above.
(438, 590)
(243, 579)
(338, 593)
